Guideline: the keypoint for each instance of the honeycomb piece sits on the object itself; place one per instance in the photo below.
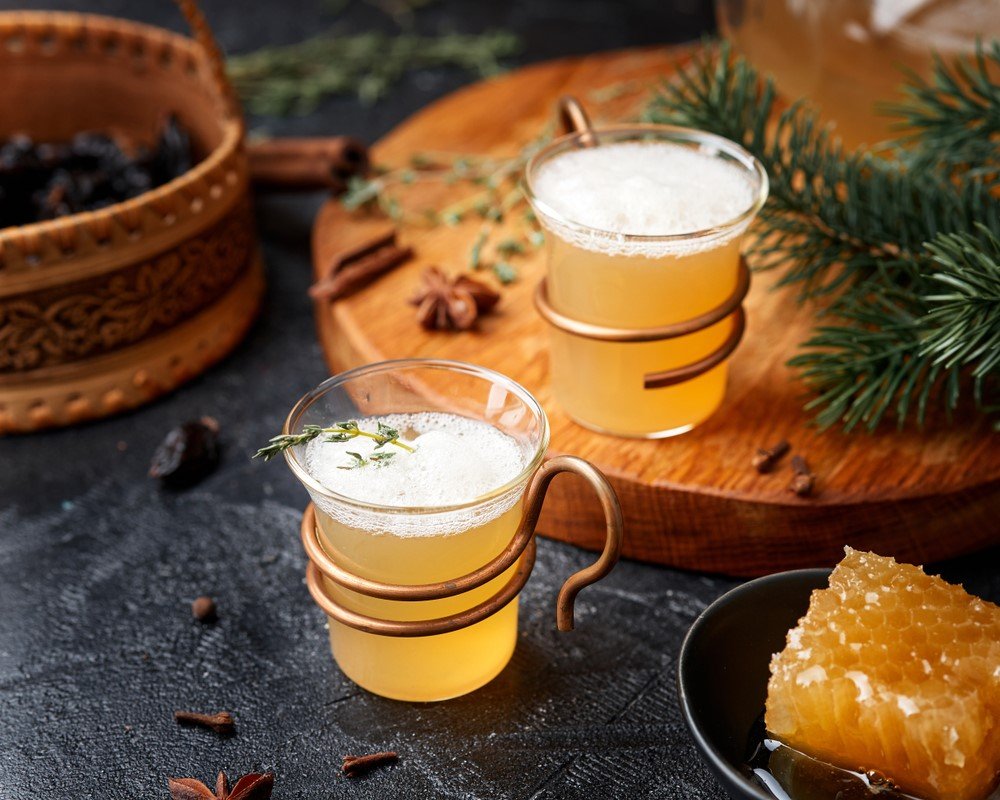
(896, 671)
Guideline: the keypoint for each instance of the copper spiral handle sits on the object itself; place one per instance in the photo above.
(521, 549)
(574, 119)
(732, 305)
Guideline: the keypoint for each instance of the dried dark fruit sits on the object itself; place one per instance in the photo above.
(187, 454)
(45, 180)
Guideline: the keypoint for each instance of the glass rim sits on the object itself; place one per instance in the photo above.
(306, 401)
(747, 160)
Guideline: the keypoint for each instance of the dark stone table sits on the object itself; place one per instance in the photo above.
(98, 565)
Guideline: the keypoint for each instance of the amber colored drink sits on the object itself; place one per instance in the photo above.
(643, 231)
(428, 667)
(441, 500)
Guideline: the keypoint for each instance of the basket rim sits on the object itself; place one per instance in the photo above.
(191, 184)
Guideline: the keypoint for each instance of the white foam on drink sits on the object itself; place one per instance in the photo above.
(642, 189)
(455, 461)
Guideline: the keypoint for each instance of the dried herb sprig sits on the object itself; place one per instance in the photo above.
(294, 79)
(339, 432)
(493, 194)
(359, 460)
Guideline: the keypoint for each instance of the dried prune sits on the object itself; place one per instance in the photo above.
(187, 454)
(45, 180)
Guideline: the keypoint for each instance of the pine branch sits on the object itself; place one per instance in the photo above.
(827, 208)
(952, 121)
(962, 325)
(879, 237)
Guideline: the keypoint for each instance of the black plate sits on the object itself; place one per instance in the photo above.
(723, 668)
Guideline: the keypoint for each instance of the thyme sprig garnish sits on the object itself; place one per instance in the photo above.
(379, 459)
(339, 432)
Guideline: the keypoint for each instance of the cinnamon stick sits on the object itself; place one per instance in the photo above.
(360, 265)
(300, 164)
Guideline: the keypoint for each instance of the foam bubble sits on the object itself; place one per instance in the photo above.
(642, 189)
(456, 461)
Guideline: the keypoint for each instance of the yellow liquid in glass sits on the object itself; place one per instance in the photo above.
(600, 384)
(429, 667)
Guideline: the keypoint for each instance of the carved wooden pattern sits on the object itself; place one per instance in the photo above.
(98, 315)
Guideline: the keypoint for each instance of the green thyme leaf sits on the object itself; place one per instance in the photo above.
(505, 272)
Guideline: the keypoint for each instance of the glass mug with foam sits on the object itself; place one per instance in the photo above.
(644, 282)
(418, 550)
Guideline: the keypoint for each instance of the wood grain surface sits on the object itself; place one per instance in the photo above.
(693, 501)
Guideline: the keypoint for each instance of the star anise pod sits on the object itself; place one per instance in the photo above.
(444, 303)
(255, 786)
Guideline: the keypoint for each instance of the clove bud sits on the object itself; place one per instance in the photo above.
(803, 480)
(765, 458)
(355, 766)
(221, 723)
(203, 609)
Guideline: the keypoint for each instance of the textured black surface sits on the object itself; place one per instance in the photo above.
(98, 565)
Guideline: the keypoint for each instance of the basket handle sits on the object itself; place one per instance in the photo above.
(217, 64)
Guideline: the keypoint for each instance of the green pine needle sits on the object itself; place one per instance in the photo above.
(952, 120)
(904, 249)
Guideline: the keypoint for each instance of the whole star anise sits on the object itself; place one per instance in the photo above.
(255, 786)
(444, 303)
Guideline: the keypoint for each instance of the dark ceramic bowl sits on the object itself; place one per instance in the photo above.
(723, 668)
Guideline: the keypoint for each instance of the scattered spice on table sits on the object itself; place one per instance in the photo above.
(222, 722)
(46, 180)
(766, 457)
(356, 766)
(203, 609)
(359, 266)
(254, 786)
(187, 454)
(803, 481)
(445, 303)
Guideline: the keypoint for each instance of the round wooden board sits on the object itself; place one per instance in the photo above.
(692, 501)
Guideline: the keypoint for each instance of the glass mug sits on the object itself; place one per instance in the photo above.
(642, 326)
(422, 601)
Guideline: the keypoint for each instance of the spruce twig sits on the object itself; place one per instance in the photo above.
(951, 121)
(877, 237)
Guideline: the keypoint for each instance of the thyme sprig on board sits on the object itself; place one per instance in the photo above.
(491, 193)
(899, 252)
(339, 432)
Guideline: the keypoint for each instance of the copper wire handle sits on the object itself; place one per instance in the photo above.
(732, 305)
(574, 119)
(521, 549)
